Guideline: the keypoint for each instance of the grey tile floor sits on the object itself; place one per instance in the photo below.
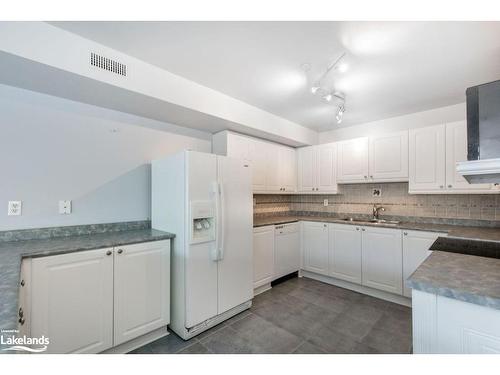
(303, 316)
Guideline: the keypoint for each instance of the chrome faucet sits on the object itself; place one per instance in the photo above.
(376, 211)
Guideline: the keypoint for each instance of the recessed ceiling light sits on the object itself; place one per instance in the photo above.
(315, 89)
(328, 97)
(343, 67)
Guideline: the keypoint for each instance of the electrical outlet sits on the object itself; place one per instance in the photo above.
(15, 208)
(325, 202)
(64, 207)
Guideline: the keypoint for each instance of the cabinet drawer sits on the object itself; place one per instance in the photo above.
(286, 228)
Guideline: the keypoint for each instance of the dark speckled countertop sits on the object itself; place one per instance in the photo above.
(455, 231)
(12, 252)
(468, 278)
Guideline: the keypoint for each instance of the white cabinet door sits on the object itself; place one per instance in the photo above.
(142, 289)
(389, 157)
(382, 259)
(287, 252)
(238, 147)
(263, 255)
(258, 162)
(326, 167)
(72, 301)
(274, 177)
(456, 150)
(306, 169)
(288, 169)
(315, 247)
(427, 159)
(345, 252)
(353, 160)
(416, 246)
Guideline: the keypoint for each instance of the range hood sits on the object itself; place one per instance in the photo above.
(483, 135)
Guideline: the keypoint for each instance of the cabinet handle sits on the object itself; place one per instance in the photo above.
(357, 228)
(312, 189)
(371, 176)
(21, 321)
(450, 186)
(324, 225)
(21, 316)
(363, 229)
(317, 189)
(108, 253)
(441, 186)
(23, 282)
(120, 251)
(366, 176)
(405, 233)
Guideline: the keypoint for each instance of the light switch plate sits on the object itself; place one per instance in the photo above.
(325, 202)
(15, 208)
(64, 207)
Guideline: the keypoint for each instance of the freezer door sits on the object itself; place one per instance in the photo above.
(235, 244)
(200, 266)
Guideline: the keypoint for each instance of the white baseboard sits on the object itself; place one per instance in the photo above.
(401, 300)
(138, 342)
(261, 289)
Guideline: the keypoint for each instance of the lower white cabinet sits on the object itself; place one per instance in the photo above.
(142, 290)
(382, 259)
(72, 301)
(315, 247)
(263, 255)
(79, 299)
(345, 252)
(287, 250)
(416, 246)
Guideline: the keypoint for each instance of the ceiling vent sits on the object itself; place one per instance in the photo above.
(108, 64)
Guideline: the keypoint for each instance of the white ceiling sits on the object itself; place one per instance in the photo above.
(395, 68)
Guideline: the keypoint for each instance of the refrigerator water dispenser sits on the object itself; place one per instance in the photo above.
(202, 221)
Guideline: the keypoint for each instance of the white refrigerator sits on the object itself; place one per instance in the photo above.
(206, 200)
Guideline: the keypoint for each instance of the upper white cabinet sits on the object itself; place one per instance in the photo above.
(416, 245)
(353, 160)
(382, 259)
(317, 169)
(381, 158)
(263, 255)
(345, 252)
(315, 247)
(427, 159)
(433, 154)
(274, 166)
(388, 157)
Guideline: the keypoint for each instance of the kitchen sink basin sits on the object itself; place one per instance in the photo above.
(372, 221)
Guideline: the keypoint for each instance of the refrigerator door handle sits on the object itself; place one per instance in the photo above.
(215, 250)
(222, 231)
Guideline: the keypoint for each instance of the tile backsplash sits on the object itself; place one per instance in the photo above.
(358, 199)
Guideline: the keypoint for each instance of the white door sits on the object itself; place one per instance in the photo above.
(287, 251)
(353, 160)
(274, 181)
(315, 247)
(263, 255)
(258, 161)
(72, 301)
(416, 246)
(389, 157)
(306, 169)
(288, 169)
(427, 159)
(456, 150)
(200, 263)
(382, 259)
(326, 167)
(345, 252)
(235, 265)
(142, 289)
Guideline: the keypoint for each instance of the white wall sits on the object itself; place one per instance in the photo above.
(53, 149)
(441, 115)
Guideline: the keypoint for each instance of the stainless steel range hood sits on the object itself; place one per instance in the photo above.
(483, 135)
